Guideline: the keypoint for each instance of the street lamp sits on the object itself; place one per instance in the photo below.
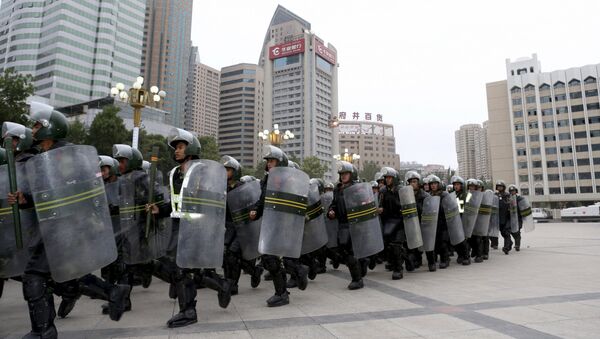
(347, 156)
(276, 138)
(334, 122)
(138, 97)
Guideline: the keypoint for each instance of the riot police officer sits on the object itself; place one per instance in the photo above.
(458, 185)
(514, 192)
(504, 215)
(441, 237)
(391, 219)
(412, 178)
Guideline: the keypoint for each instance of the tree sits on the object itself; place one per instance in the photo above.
(108, 129)
(248, 171)
(294, 158)
(210, 149)
(14, 90)
(313, 167)
(369, 170)
(259, 171)
(165, 154)
(77, 133)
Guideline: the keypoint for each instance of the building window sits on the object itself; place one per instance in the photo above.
(517, 101)
(562, 123)
(550, 150)
(580, 135)
(597, 175)
(567, 163)
(525, 191)
(578, 121)
(574, 82)
(597, 162)
(589, 80)
(595, 133)
(522, 164)
(533, 124)
(550, 137)
(530, 100)
(521, 152)
(562, 110)
(523, 178)
(535, 151)
(518, 114)
(559, 84)
(545, 99)
(529, 87)
(515, 90)
(566, 149)
(544, 87)
(575, 95)
(595, 147)
(548, 124)
(583, 162)
(539, 191)
(585, 175)
(594, 120)
(546, 111)
(585, 189)
(538, 177)
(560, 97)
(553, 177)
(532, 112)
(554, 190)
(536, 164)
(534, 137)
(552, 163)
(591, 93)
(594, 105)
(519, 139)
(570, 190)
(568, 176)
(519, 127)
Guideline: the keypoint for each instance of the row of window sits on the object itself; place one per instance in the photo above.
(556, 163)
(558, 84)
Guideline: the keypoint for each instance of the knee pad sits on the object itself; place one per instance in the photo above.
(34, 287)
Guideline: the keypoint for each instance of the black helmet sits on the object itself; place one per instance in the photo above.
(411, 175)
(390, 172)
(513, 188)
(378, 176)
(193, 147)
(3, 159)
(346, 167)
(374, 184)
(12, 129)
(501, 183)
(272, 152)
(54, 124)
(112, 163)
(293, 164)
(320, 184)
(133, 156)
(457, 179)
(329, 185)
(230, 162)
(472, 182)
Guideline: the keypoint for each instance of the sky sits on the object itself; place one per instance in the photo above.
(423, 65)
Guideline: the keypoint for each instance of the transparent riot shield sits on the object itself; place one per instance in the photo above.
(494, 229)
(72, 211)
(331, 225)
(429, 221)
(202, 226)
(526, 214)
(456, 231)
(469, 217)
(315, 233)
(365, 229)
(410, 215)
(482, 222)
(240, 200)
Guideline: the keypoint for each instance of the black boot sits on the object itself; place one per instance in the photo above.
(212, 280)
(41, 307)
(355, 273)
(430, 261)
(281, 296)
(517, 236)
(364, 265)
(256, 275)
(396, 258)
(1, 287)
(232, 269)
(186, 296)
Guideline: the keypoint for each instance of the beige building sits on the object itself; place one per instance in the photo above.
(472, 151)
(545, 131)
(166, 52)
(301, 87)
(372, 141)
(202, 109)
(241, 112)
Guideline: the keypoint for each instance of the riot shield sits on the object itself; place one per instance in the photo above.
(240, 200)
(282, 226)
(429, 221)
(482, 222)
(330, 225)
(12, 259)
(469, 217)
(202, 227)
(494, 229)
(410, 216)
(113, 199)
(135, 246)
(456, 231)
(72, 211)
(315, 233)
(514, 214)
(365, 229)
(526, 216)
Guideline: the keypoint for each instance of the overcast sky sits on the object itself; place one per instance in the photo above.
(422, 64)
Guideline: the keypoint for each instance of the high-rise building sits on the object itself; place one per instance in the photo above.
(202, 107)
(372, 141)
(301, 86)
(544, 131)
(167, 45)
(241, 112)
(75, 50)
(472, 151)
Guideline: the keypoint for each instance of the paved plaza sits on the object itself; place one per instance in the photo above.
(550, 289)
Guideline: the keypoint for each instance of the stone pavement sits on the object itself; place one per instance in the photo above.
(550, 289)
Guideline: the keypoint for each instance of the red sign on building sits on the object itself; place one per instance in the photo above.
(287, 49)
(325, 52)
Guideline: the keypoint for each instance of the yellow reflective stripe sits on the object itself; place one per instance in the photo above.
(285, 202)
(203, 204)
(200, 201)
(69, 202)
(69, 197)
(315, 210)
(5, 209)
(409, 211)
(362, 213)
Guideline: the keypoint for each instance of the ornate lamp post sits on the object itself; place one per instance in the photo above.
(349, 157)
(138, 97)
(275, 137)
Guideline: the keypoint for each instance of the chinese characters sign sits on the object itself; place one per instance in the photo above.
(287, 49)
(325, 52)
(356, 116)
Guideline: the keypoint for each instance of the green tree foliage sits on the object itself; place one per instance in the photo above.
(108, 129)
(259, 171)
(210, 149)
(248, 171)
(77, 133)
(166, 162)
(368, 171)
(313, 167)
(14, 89)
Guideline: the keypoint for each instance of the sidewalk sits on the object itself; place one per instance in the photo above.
(551, 288)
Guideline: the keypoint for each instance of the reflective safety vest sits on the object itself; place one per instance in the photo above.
(175, 198)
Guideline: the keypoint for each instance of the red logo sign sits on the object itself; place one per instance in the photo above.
(325, 52)
(287, 49)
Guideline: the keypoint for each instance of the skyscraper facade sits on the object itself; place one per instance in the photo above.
(202, 107)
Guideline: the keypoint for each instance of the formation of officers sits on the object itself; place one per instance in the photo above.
(66, 212)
